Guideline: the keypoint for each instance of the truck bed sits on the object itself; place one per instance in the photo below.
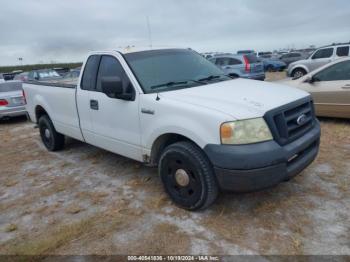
(59, 100)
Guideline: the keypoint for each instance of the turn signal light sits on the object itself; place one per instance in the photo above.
(226, 131)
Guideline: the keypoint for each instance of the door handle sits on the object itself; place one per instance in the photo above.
(94, 104)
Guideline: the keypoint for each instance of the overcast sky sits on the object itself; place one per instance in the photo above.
(65, 30)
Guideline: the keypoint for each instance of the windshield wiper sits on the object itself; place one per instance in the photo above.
(173, 83)
(209, 78)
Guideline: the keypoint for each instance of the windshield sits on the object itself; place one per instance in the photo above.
(170, 69)
(48, 73)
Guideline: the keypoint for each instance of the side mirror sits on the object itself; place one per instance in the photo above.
(311, 80)
(113, 87)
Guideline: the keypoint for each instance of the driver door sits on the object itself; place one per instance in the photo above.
(115, 122)
(321, 57)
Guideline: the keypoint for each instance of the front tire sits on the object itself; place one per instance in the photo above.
(52, 140)
(188, 176)
(299, 72)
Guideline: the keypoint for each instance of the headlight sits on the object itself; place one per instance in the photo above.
(245, 132)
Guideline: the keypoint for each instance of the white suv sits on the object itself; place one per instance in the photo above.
(320, 57)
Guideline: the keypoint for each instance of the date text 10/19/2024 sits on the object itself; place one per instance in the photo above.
(173, 258)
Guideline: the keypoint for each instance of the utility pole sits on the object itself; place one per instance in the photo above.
(20, 59)
(149, 32)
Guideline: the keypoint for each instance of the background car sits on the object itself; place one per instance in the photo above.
(22, 77)
(12, 100)
(2, 78)
(320, 57)
(61, 70)
(272, 65)
(43, 75)
(292, 57)
(329, 87)
(71, 77)
(245, 66)
(245, 52)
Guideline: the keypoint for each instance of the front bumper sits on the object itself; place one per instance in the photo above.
(245, 168)
(13, 111)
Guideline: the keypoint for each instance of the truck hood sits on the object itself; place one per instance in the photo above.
(238, 98)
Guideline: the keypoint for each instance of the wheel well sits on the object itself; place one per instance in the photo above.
(39, 111)
(162, 142)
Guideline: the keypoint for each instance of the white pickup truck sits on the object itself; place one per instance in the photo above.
(173, 109)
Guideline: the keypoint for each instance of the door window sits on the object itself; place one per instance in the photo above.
(88, 81)
(323, 53)
(337, 72)
(343, 51)
(110, 66)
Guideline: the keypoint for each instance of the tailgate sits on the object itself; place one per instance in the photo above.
(15, 100)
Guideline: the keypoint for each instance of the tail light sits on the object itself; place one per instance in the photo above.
(24, 97)
(3, 102)
(247, 64)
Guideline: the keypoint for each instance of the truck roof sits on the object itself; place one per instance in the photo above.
(134, 49)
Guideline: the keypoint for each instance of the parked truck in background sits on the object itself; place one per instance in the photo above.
(174, 109)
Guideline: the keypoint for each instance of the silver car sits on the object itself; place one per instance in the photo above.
(12, 100)
(320, 57)
(243, 65)
(292, 57)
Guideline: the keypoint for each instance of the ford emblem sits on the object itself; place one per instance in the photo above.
(301, 119)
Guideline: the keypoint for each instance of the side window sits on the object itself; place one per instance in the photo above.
(88, 82)
(110, 66)
(337, 72)
(323, 53)
(343, 51)
(234, 61)
(295, 55)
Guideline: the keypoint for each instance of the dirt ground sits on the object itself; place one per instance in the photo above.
(84, 200)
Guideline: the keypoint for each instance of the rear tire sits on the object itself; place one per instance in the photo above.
(52, 140)
(299, 72)
(188, 176)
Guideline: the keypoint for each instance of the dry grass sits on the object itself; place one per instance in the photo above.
(10, 228)
(116, 206)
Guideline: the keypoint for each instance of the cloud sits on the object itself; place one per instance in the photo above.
(65, 30)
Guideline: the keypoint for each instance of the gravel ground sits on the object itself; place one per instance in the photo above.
(84, 200)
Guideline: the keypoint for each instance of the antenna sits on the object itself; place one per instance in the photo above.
(149, 32)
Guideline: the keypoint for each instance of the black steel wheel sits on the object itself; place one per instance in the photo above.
(188, 176)
(52, 140)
